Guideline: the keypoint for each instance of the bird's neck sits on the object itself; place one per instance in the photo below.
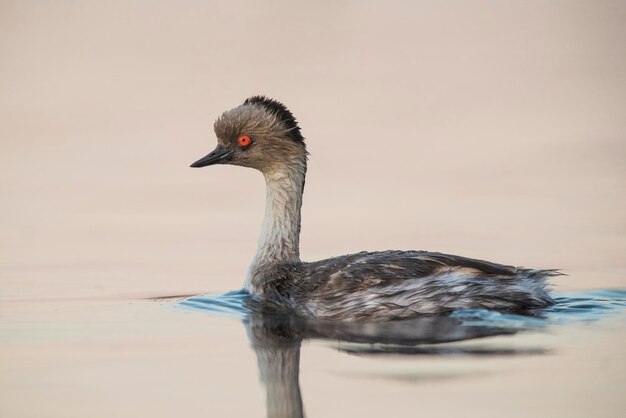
(278, 356)
(279, 369)
(280, 233)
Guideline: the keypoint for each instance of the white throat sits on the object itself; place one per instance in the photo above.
(280, 233)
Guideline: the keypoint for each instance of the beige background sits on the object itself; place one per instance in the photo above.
(488, 129)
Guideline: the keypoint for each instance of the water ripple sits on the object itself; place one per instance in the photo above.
(234, 303)
(571, 307)
(427, 335)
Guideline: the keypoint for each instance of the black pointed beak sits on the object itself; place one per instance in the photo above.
(219, 155)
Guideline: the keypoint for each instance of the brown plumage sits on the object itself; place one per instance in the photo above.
(363, 286)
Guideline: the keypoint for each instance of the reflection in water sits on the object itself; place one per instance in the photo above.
(276, 336)
(276, 339)
(276, 342)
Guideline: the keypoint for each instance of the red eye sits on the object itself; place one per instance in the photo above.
(244, 140)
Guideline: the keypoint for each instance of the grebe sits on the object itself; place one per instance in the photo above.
(263, 134)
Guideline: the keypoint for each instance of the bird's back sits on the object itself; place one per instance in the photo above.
(390, 285)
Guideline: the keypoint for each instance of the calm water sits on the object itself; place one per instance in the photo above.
(217, 355)
(276, 338)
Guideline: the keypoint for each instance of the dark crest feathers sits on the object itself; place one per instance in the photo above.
(282, 113)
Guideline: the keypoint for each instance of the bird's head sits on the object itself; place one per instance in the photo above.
(261, 133)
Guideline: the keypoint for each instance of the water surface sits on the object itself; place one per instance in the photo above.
(276, 337)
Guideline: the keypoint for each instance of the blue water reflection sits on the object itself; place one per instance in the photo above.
(404, 337)
(571, 307)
